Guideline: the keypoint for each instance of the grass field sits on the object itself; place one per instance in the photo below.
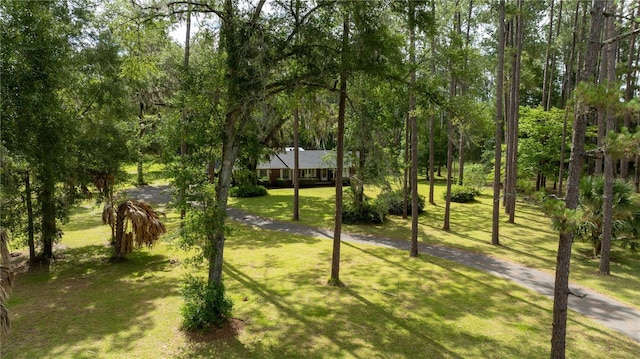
(530, 241)
(392, 306)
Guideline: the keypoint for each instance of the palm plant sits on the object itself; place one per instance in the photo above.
(133, 224)
(626, 214)
(6, 282)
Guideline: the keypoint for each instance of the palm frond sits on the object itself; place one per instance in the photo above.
(140, 225)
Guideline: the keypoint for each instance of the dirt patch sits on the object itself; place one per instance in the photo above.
(229, 330)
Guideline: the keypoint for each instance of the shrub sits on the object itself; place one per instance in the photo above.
(248, 191)
(396, 203)
(307, 182)
(367, 214)
(462, 194)
(204, 304)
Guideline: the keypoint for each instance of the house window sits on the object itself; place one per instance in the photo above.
(286, 174)
(308, 173)
(262, 174)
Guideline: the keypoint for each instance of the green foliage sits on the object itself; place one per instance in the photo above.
(205, 305)
(525, 186)
(245, 177)
(623, 144)
(540, 141)
(562, 219)
(462, 194)
(248, 191)
(200, 224)
(395, 202)
(368, 213)
(475, 176)
(626, 214)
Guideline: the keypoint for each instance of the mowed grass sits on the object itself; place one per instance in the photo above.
(392, 306)
(530, 241)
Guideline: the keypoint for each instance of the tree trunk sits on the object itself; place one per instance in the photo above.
(413, 120)
(495, 232)
(566, 92)
(515, 115)
(119, 231)
(509, 120)
(432, 127)
(183, 142)
(296, 165)
(337, 231)
(463, 91)
(607, 197)
(357, 185)
(432, 149)
(561, 286)
(140, 172)
(461, 158)
(30, 227)
(546, 79)
(637, 174)
(601, 118)
(217, 237)
(629, 90)
(447, 206)
(405, 182)
(48, 207)
(553, 60)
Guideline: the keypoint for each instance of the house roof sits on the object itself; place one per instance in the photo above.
(308, 159)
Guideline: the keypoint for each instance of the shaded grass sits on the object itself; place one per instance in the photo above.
(391, 306)
(530, 241)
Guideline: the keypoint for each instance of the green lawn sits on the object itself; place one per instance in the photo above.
(84, 306)
(392, 306)
(529, 241)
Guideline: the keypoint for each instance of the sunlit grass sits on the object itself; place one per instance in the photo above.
(84, 306)
(530, 241)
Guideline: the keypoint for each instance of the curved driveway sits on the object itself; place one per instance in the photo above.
(611, 313)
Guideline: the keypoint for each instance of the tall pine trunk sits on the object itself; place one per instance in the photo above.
(607, 196)
(183, 142)
(495, 232)
(337, 231)
(296, 164)
(515, 113)
(48, 208)
(561, 285)
(432, 149)
(629, 89)
(568, 83)
(546, 79)
(30, 226)
(413, 121)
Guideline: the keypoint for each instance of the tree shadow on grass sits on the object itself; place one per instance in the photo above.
(348, 310)
(83, 299)
(336, 320)
(83, 218)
